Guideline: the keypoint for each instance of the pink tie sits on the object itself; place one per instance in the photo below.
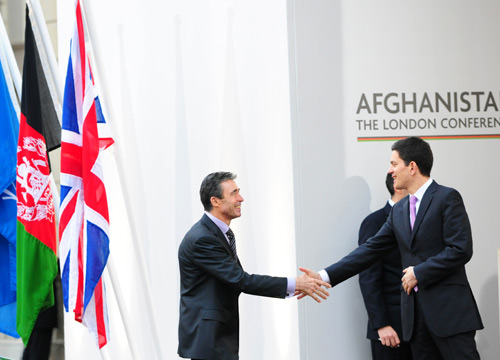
(413, 210)
(413, 215)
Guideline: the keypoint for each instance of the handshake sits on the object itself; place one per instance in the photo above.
(310, 283)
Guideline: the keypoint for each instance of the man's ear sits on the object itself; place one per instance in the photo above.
(413, 168)
(214, 201)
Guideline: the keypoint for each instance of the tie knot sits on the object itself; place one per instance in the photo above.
(230, 234)
(413, 200)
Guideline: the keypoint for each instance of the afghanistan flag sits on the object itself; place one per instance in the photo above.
(36, 228)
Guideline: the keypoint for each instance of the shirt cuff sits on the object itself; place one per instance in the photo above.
(416, 286)
(324, 276)
(290, 288)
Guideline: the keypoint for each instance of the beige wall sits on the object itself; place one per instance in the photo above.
(13, 14)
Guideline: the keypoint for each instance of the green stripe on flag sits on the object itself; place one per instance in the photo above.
(36, 271)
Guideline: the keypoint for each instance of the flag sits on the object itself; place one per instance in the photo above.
(9, 129)
(84, 219)
(39, 130)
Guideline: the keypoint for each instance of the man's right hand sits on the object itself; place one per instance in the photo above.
(313, 290)
(311, 273)
(388, 336)
(307, 285)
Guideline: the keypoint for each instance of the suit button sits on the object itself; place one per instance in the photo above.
(414, 254)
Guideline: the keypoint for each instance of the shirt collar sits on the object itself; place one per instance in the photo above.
(220, 224)
(421, 191)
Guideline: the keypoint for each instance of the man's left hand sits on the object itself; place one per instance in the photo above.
(409, 280)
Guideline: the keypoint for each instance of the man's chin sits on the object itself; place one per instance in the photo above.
(400, 188)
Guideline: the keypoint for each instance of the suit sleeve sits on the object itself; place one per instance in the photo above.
(363, 256)
(370, 280)
(457, 240)
(210, 256)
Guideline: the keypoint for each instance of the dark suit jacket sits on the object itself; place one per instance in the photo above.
(438, 247)
(211, 282)
(381, 283)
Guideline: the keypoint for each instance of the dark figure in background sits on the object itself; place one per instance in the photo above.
(381, 288)
(40, 341)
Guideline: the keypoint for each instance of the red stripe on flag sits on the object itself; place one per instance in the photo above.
(95, 192)
(69, 210)
(79, 294)
(71, 159)
(95, 197)
(90, 142)
(36, 213)
(99, 311)
(81, 42)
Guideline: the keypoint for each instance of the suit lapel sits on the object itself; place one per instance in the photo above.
(422, 209)
(405, 202)
(218, 234)
(216, 231)
(387, 209)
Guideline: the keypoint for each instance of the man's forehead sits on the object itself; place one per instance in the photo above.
(395, 155)
(229, 185)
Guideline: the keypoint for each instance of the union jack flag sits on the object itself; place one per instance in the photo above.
(84, 219)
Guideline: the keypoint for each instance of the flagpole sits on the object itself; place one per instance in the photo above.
(123, 310)
(105, 354)
(134, 233)
(49, 49)
(13, 76)
(138, 249)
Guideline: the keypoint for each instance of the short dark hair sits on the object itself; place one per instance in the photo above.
(415, 149)
(211, 186)
(389, 182)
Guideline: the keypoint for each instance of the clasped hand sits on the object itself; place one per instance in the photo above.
(409, 281)
(310, 283)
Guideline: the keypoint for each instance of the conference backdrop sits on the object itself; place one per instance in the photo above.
(303, 100)
(366, 72)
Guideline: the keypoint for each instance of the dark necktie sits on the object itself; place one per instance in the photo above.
(232, 242)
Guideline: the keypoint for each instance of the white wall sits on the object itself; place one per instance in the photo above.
(193, 87)
(269, 90)
(340, 50)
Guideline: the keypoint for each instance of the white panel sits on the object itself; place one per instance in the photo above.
(193, 87)
(341, 50)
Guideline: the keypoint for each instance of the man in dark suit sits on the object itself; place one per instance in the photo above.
(438, 311)
(380, 286)
(212, 277)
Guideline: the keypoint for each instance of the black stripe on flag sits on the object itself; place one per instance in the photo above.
(36, 101)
